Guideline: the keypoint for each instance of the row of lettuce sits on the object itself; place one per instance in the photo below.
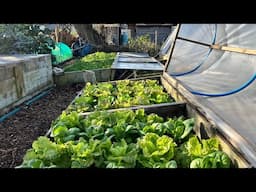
(97, 60)
(122, 139)
(123, 93)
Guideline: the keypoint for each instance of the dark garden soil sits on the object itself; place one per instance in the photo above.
(19, 131)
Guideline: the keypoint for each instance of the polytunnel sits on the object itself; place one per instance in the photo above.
(217, 64)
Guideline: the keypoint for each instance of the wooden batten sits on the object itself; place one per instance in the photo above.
(234, 49)
(174, 109)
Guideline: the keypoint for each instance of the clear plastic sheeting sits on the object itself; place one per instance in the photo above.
(220, 72)
(165, 48)
(238, 110)
(138, 66)
(193, 58)
(134, 55)
(137, 59)
(205, 33)
(136, 63)
(236, 35)
(222, 76)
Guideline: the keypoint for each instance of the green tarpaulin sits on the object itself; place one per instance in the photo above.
(61, 53)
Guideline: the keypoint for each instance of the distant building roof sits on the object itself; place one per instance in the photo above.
(154, 24)
(111, 25)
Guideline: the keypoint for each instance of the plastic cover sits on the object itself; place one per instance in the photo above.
(136, 61)
(62, 52)
(207, 70)
(165, 48)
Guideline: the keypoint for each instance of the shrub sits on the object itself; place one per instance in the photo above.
(143, 44)
(25, 39)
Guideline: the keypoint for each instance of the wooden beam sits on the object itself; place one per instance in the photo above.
(192, 41)
(222, 47)
(172, 48)
(174, 109)
(234, 49)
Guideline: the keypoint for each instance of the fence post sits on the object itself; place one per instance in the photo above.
(155, 39)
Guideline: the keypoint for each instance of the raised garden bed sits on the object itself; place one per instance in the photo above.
(120, 94)
(98, 60)
(94, 67)
(97, 75)
(153, 136)
(126, 139)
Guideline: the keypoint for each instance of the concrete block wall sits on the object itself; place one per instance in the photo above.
(37, 73)
(97, 75)
(7, 86)
(22, 76)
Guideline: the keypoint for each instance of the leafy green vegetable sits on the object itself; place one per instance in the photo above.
(193, 149)
(217, 159)
(69, 138)
(69, 120)
(123, 139)
(101, 153)
(66, 127)
(117, 125)
(32, 163)
(156, 149)
(169, 164)
(122, 155)
(178, 128)
(83, 153)
(197, 149)
(45, 153)
(74, 131)
(59, 130)
(189, 125)
(96, 60)
(98, 56)
(154, 118)
(123, 93)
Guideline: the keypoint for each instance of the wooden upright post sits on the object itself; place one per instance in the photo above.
(57, 33)
(172, 47)
(155, 39)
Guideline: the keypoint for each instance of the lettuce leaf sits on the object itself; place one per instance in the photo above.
(217, 159)
(122, 155)
(45, 153)
(156, 149)
(193, 149)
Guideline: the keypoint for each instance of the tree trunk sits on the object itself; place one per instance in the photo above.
(87, 32)
(57, 33)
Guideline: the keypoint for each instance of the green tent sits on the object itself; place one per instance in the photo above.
(61, 53)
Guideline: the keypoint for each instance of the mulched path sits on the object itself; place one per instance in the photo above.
(19, 131)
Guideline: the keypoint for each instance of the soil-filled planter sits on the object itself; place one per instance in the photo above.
(96, 75)
(120, 94)
(126, 139)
